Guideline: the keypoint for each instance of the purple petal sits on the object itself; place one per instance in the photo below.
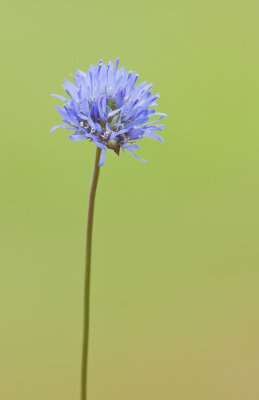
(135, 155)
(129, 147)
(62, 126)
(102, 158)
(76, 138)
(60, 97)
(153, 136)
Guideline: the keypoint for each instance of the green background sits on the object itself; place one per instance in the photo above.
(175, 258)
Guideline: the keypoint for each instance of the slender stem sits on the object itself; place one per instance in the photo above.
(88, 275)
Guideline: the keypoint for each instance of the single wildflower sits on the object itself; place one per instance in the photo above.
(108, 108)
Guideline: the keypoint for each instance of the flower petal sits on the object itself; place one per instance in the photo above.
(102, 158)
(154, 136)
(129, 147)
(135, 155)
(60, 97)
(62, 126)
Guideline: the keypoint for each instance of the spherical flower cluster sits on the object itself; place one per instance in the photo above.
(105, 106)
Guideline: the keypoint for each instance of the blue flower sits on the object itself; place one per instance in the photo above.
(106, 107)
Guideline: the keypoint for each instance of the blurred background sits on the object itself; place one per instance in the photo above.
(175, 295)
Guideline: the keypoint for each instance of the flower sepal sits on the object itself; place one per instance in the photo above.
(113, 145)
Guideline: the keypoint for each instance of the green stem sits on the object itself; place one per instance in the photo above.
(88, 275)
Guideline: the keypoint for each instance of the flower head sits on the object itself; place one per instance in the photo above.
(106, 107)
